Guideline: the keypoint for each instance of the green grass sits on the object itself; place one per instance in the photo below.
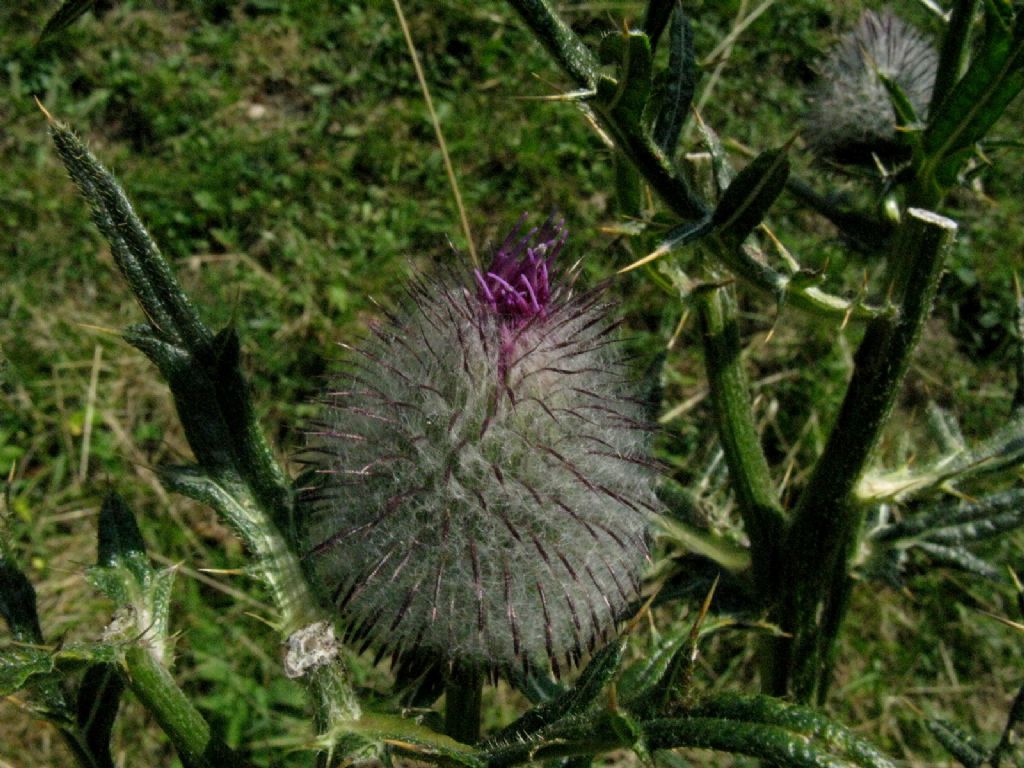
(282, 157)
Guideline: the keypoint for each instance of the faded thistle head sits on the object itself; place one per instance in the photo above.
(851, 115)
(484, 487)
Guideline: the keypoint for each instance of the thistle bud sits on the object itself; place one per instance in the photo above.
(851, 115)
(484, 487)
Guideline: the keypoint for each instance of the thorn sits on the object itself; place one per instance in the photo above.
(1003, 620)
(655, 254)
(695, 630)
(49, 118)
(645, 610)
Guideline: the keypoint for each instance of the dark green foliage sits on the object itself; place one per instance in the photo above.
(65, 16)
(572, 701)
(993, 80)
(627, 95)
(656, 18)
(98, 700)
(17, 600)
(678, 83)
(169, 310)
(27, 667)
(120, 541)
(749, 196)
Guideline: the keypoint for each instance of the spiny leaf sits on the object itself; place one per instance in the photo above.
(751, 194)
(573, 701)
(995, 77)
(203, 370)
(906, 116)
(680, 82)
(627, 96)
(796, 720)
(226, 493)
(772, 743)
(675, 239)
(960, 558)
(724, 174)
(971, 520)
(411, 739)
(21, 666)
(640, 676)
(65, 16)
(123, 572)
(955, 49)
(656, 18)
(120, 541)
(168, 309)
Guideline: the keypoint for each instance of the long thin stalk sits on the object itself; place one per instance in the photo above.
(748, 469)
(827, 519)
(183, 723)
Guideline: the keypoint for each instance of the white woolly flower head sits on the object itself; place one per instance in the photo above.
(851, 114)
(484, 485)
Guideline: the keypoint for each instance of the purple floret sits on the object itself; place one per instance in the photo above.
(517, 284)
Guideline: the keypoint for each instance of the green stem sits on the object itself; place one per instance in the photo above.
(276, 562)
(955, 46)
(867, 231)
(827, 520)
(569, 51)
(463, 697)
(577, 61)
(730, 557)
(184, 725)
(776, 734)
(748, 469)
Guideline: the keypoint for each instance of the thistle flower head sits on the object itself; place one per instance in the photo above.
(851, 114)
(484, 483)
(517, 284)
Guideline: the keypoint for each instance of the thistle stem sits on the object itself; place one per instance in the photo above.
(827, 519)
(748, 469)
(463, 697)
(183, 723)
(955, 47)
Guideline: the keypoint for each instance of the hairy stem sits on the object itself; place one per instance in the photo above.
(748, 469)
(827, 520)
(237, 472)
(183, 723)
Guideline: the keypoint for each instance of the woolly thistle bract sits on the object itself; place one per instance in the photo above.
(851, 115)
(484, 487)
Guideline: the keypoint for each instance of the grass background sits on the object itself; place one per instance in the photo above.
(280, 153)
